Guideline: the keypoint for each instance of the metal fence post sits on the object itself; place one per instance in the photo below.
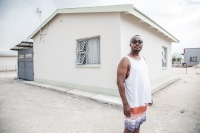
(186, 68)
(6, 71)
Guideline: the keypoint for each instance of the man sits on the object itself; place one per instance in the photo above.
(134, 87)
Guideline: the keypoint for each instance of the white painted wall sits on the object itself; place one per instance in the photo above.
(152, 46)
(55, 58)
(8, 62)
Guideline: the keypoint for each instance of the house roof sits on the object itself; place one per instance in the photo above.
(23, 45)
(188, 48)
(191, 48)
(8, 54)
(128, 9)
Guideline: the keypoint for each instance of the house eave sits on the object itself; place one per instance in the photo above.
(114, 8)
(146, 19)
(129, 9)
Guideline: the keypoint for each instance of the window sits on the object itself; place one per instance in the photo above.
(164, 57)
(88, 51)
(21, 56)
(193, 59)
(28, 55)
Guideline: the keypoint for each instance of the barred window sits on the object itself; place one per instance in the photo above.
(193, 59)
(88, 51)
(164, 57)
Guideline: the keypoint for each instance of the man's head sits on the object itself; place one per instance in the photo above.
(136, 43)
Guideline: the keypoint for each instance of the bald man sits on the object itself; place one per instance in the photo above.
(134, 87)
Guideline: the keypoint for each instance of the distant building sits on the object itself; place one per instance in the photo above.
(192, 56)
(8, 61)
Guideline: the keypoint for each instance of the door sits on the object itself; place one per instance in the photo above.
(29, 64)
(21, 64)
(25, 64)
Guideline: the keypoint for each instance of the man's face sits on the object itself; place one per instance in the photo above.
(136, 44)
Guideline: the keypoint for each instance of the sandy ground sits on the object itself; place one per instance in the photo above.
(4, 75)
(30, 109)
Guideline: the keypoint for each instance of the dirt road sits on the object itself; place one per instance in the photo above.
(30, 109)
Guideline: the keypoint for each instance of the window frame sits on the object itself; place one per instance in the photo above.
(166, 53)
(192, 58)
(86, 53)
(28, 56)
(21, 56)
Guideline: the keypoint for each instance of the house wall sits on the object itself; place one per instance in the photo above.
(192, 52)
(8, 63)
(54, 58)
(152, 46)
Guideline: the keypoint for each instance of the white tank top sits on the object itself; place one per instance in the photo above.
(137, 85)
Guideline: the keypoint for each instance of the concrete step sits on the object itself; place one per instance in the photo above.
(60, 89)
(108, 99)
(97, 97)
(162, 85)
(82, 93)
(90, 95)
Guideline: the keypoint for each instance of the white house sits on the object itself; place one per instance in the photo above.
(82, 47)
(8, 61)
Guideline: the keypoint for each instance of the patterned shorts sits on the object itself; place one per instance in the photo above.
(138, 116)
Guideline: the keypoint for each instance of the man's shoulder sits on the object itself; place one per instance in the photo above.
(125, 61)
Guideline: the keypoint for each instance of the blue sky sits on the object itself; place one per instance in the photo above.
(18, 18)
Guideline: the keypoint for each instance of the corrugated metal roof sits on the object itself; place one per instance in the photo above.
(23, 45)
(8, 54)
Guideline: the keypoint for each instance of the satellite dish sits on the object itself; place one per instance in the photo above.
(38, 11)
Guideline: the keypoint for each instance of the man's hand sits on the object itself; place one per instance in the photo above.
(150, 104)
(127, 112)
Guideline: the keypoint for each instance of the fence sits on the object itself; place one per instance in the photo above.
(8, 68)
(8, 71)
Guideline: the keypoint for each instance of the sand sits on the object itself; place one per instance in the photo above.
(31, 109)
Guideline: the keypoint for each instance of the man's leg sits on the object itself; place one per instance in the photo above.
(127, 131)
(137, 130)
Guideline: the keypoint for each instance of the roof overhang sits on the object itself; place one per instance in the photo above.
(8, 55)
(144, 18)
(23, 45)
(129, 9)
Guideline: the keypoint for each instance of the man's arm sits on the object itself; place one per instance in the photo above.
(121, 76)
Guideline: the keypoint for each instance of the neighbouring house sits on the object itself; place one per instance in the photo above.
(81, 47)
(191, 56)
(8, 61)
